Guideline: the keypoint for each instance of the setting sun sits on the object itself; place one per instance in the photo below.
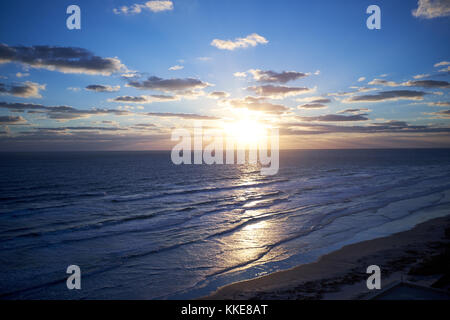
(246, 131)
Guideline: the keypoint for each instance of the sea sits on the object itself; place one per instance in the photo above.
(140, 227)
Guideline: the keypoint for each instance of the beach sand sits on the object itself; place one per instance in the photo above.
(420, 255)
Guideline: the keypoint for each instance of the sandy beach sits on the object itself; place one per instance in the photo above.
(420, 255)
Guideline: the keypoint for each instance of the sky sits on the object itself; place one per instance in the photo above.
(137, 70)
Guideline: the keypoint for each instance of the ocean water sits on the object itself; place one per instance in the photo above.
(140, 227)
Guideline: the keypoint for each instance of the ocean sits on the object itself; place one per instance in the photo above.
(140, 227)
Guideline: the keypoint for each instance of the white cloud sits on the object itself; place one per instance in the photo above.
(361, 79)
(240, 74)
(420, 76)
(154, 6)
(430, 9)
(22, 75)
(442, 63)
(177, 67)
(251, 40)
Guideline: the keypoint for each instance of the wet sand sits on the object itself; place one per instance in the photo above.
(420, 255)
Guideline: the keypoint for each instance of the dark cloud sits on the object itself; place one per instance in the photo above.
(428, 84)
(144, 126)
(190, 116)
(169, 85)
(276, 77)
(388, 96)
(351, 93)
(320, 100)
(414, 83)
(312, 106)
(439, 104)
(12, 120)
(336, 117)
(278, 91)
(83, 140)
(26, 89)
(102, 88)
(145, 99)
(445, 114)
(354, 111)
(60, 112)
(85, 128)
(219, 94)
(392, 126)
(63, 59)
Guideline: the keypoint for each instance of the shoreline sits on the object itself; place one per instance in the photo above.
(418, 255)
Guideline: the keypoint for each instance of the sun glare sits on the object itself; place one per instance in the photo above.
(245, 131)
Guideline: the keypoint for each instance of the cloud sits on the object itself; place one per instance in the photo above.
(145, 99)
(26, 89)
(154, 6)
(312, 106)
(314, 100)
(335, 117)
(445, 114)
(439, 104)
(82, 128)
(22, 75)
(442, 63)
(175, 68)
(190, 116)
(388, 96)
(420, 76)
(74, 89)
(257, 104)
(355, 111)
(169, 85)
(429, 9)
(251, 40)
(278, 92)
(219, 95)
(62, 59)
(12, 120)
(385, 83)
(428, 84)
(84, 140)
(415, 83)
(144, 126)
(392, 126)
(102, 88)
(350, 93)
(60, 112)
(276, 77)
(204, 58)
(361, 79)
(240, 74)
(447, 69)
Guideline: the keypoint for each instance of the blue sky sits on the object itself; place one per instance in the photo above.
(325, 43)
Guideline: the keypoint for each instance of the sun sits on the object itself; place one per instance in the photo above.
(245, 131)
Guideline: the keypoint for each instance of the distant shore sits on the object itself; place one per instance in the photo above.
(419, 255)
